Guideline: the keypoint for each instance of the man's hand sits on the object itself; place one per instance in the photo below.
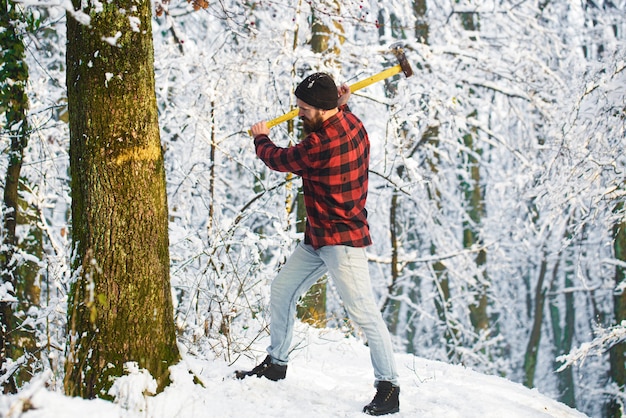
(259, 128)
(344, 94)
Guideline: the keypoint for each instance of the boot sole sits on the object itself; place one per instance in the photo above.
(378, 413)
(242, 374)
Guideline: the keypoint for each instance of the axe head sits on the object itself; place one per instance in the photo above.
(398, 51)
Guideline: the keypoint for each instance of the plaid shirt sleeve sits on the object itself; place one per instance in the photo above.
(333, 164)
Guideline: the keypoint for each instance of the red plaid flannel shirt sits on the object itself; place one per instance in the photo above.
(333, 164)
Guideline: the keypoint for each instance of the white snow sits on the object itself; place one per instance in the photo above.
(329, 375)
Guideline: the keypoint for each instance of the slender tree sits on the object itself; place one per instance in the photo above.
(422, 28)
(474, 196)
(618, 351)
(562, 318)
(120, 306)
(532, 348)
(392, 305)
(17, 339)
(443, 300)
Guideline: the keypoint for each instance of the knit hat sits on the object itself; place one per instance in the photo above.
(318, 90)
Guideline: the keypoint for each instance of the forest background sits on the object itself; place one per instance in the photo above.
(497, 187)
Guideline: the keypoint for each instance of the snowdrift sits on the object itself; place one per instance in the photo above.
(329, 375)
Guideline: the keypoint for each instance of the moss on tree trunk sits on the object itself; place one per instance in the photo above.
(120, 306)
(16, 333)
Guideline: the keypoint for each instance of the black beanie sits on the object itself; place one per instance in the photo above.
(318, 90)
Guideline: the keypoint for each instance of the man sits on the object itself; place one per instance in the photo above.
(333, 161)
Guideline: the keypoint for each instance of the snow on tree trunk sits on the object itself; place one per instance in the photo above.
(19, 277)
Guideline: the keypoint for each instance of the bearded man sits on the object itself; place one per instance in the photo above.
(333, 161)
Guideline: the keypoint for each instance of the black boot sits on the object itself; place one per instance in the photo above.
(386, 400)
(267, 369)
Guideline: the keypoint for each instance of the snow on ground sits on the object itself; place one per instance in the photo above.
(328, 376)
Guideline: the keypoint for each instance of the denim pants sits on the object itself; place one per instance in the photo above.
(348, 268)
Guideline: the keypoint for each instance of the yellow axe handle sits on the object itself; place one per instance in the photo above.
(283, 118)
(389, 72)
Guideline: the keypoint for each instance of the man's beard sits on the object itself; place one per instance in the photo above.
(312, 125)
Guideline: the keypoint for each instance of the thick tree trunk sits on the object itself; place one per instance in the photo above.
(120, 306)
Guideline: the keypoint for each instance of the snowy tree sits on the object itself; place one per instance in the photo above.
(19, 268)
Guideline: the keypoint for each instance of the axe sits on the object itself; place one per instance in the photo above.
(402, 66)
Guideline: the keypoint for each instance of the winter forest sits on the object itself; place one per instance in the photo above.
(496, 195)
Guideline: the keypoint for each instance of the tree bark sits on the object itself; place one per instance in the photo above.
(564, 334)
(443, 300)
(391, 307)
(532, 348)
(422, 29)
(120, 306)
(14, 338)
(474, 196)
(475, 212)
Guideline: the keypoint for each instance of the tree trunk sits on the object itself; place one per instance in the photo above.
(563, 334)
(443, 300)
(618, 351)
(474, 198)
(475, 212)
(18, 278)
(532, 348)
(422, 30)
(120, 306)
(443, 305)
(391, 307)
(326, 39)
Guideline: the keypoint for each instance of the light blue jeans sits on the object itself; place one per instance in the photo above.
(348, 268)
